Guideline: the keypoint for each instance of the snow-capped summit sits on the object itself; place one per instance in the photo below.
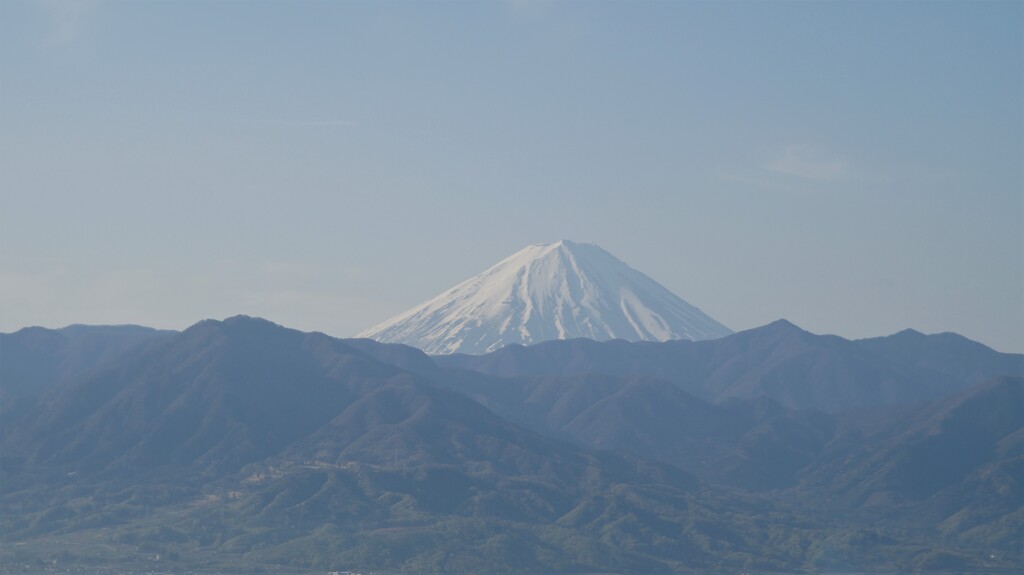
(551, 291)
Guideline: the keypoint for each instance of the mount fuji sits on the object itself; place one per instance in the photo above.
(560, 290)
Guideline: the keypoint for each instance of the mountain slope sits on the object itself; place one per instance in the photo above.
(946, 353)
(954, 463)
(34, 359)
(217, 395)
(242, 425)
(911, 453)
(239, 446)
(754, 443)
(780, 361)
(561, 290)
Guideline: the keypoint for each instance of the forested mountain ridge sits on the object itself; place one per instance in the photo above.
(242, 444)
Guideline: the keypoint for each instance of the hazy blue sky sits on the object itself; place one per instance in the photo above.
(856, 168)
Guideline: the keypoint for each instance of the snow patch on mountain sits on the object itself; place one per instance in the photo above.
(560, 290)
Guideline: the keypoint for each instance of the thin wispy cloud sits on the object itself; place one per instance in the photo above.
(793, 169)
(758, 181)
(69, 19)
(527, 7)
(809, 163)
(301, 123)
(318, 123)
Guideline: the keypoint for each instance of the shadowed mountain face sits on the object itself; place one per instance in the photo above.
(913, 454)
(305, 429)
(241, 444)
(955, 463)
(224, 394)
(780, 361)
(945, 354)
(34, 359)
(755, 444)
